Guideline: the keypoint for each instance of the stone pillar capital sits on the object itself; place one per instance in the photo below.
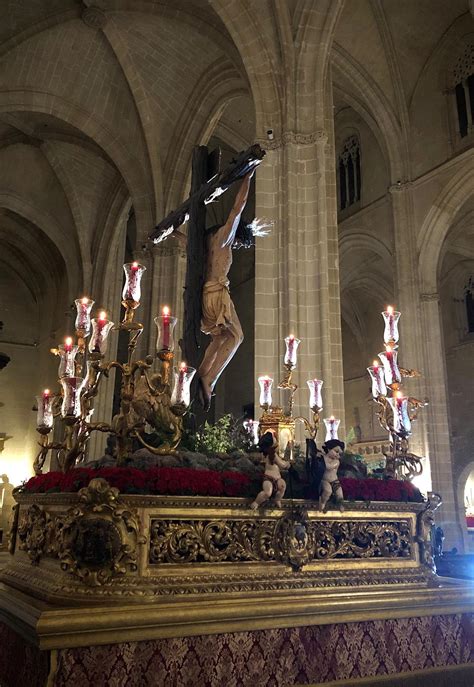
(167, 250)
(427, 297)
(400, 186)
(290, 137)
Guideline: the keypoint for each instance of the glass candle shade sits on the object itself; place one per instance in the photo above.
(391, 318)
(291, 347)
(390, 367)
(376, 373)
(332, 425)
(83, 317)
(182, 385)
(266, 384)
(44, 416)
(101, 327)
(133, 277)
(315, 396)
(401, 418)
(67, 356)
(72, 388)
(165, 325)
(251, 427)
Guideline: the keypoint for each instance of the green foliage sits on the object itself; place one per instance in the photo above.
(216, 438)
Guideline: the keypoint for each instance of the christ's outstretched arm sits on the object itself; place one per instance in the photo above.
(227, 231)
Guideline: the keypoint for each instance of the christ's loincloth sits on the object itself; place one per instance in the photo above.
(216, 306)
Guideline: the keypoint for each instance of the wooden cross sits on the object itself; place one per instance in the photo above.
(207, 184)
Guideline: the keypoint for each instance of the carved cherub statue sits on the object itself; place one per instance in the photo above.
(330, 485)
(273, 485)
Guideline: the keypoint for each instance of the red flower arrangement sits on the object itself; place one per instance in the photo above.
(187, 481)
(172, 481)
(380, 490)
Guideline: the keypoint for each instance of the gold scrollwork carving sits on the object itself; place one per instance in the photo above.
(32, 533)
(294, 539)
(98, 539)
(210, 541)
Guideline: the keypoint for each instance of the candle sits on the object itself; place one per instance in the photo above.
(165, 324)
(391, 317)
(133, 276)
(292, 344)
(83, 319)
(332, 423)
(266, 384)
(67, 355)
(389, 360)
(182, 385)
(44, 417)
(101, 327)
(378, 381)
(401, 418)
(251, 426)
(315, 396)
(166, 327)
(72, 388)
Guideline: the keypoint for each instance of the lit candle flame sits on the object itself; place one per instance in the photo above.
(102, 315)
(183, 366)
(134, 265)
(46, 392)
(390, 309)
(166, 311)
(85, 300)
(375, 363)
(68, 341)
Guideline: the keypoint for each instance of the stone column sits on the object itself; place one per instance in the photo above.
(168, 267)
(406, 287)
(438, 430)
(297, 271)
(112, 296)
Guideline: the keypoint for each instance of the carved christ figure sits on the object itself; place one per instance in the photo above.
(219, 317)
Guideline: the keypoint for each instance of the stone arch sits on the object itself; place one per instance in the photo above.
(219, 87)
(312, 61)
(365, 96)
(52, 229)
(460, 487)
(107, 246)
(438, 221)
(80, 118)
(243, 25)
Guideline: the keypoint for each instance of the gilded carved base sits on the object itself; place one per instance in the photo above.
(98, 544)
(177, 566)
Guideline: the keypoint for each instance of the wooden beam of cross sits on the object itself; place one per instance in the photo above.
(206, 186)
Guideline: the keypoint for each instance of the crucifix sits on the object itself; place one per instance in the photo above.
(206, 294)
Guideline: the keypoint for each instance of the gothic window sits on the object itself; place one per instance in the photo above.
(463, 84)
(349, 173)
(469, 302)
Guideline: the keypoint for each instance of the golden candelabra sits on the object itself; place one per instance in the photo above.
(395, 411)
(145, 398)
(282, 421)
